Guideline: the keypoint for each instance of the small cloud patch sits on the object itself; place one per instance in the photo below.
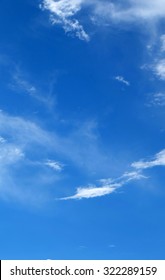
(122, 80)
(57, 166)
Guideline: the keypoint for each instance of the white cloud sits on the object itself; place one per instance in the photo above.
(158, 160)
(63, 12)
(26, 144)
(126, 177)
(91, 192)
(63, 8)
(80, 146)
(159, 69)
(66, 13)
(107, 187)
(57, 166)
(158, 99)
(122, 80)
(25, 153)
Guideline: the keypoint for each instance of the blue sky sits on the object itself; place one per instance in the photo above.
(82, 109)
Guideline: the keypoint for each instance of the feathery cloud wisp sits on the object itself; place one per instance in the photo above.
(91, 192)
(63, 12)
(108, 186)
(158, 160)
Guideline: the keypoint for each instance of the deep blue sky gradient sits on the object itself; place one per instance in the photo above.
(60, 101)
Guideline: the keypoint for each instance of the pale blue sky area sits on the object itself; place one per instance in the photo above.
(82, 131)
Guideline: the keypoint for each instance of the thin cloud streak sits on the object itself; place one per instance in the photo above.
(110, 185)
(107, 187)
(15, 152)
(158, 160)
(19, 83)
(91, 192)
(122, 80)
(57, 166)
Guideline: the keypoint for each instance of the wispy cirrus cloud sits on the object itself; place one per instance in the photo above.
(24, 144)
(107, 186)
(157, 160)
(110, 185)
(91, 192)
(26, 148)
(20, 83)
(66, 13)
(63, 13)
